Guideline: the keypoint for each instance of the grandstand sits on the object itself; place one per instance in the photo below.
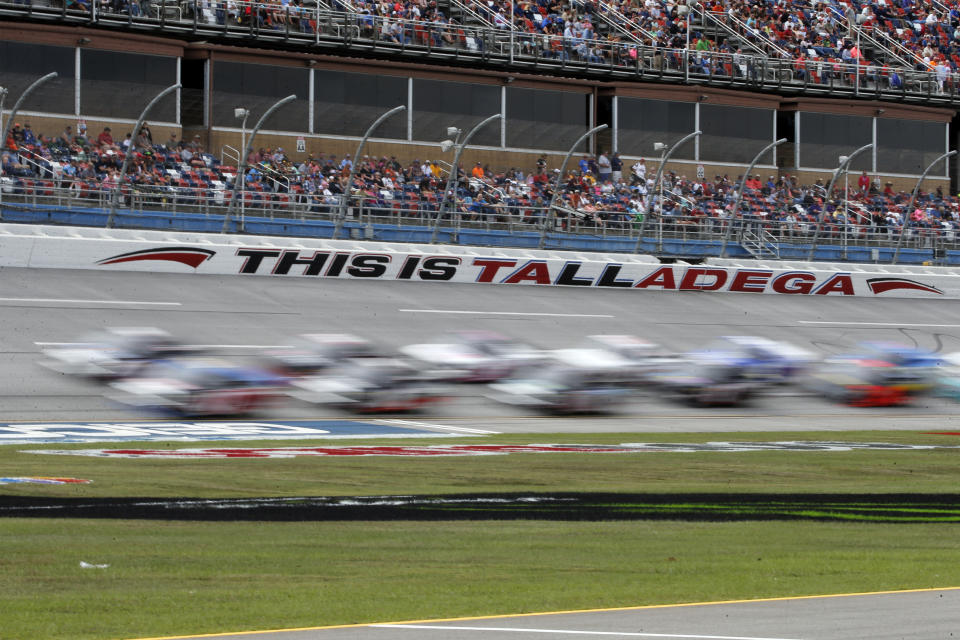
(828, 78)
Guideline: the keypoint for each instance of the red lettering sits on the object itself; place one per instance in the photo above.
(490, 267)
(793, 283)
(662, 277)
(838, 283)
(689, 282)
(535, 271)
(750, 281)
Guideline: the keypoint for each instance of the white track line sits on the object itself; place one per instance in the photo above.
(621, 634)
(444, 427)
(510, 313)
(77, 301)
(189, 346)
(877, 324)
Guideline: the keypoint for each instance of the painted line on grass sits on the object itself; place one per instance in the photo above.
(80, 301)
(554, 613)
(619, 634)
(510, 313)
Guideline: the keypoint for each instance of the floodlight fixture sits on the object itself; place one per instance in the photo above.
(659, 146)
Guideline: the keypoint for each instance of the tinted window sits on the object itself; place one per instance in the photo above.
(258, 87)
(550, 120)
(826, 137)
(909, 146)
(735, 134)
(348, 103)
(22, 64)
(644, 122)
(120, 85)
(438, 105)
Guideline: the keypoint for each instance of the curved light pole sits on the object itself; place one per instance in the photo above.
(913, 197)
(556, 188)
(242, 169)
(548, 219)
(844, 165)
(3, 96)
(115, 197)
(454, 176)
(16, 105)
(345, 196)
(743, 181)
(663, 163)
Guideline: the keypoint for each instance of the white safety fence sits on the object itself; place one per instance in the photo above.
(55, 247)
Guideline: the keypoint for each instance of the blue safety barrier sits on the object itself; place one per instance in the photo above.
(666, 248)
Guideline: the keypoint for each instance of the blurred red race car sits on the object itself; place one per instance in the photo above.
(864, 382)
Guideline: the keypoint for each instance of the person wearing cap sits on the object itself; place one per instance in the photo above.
(173, 143)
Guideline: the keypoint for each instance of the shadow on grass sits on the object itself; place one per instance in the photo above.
(507, 506)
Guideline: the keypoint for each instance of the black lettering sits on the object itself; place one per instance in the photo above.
(289, 258)
(609, 277)
(368, 266)
(254, 257)
(439, 268)
(568, 276)
(408, 268)
(337, 264)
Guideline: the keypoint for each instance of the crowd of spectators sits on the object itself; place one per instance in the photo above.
(813, 41)
(601, 192)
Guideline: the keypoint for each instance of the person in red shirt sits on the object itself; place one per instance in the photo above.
(864, 182)
(105, 139)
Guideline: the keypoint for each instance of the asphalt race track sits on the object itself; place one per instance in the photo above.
(931, 615)
(233, 314)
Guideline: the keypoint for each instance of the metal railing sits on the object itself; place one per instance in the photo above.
(316, 26)
(780, 236)
(710, 18)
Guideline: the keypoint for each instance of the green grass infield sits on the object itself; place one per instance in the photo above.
(597, 530)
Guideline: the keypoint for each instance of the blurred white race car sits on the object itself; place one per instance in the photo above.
(706, 382)
(118, 352)
(199, 387)
(644, 358)
(315, 352)
(574, 381)
(369, 385)
(475, 356)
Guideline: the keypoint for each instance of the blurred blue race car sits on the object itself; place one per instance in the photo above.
(199, 387)
(758, 359)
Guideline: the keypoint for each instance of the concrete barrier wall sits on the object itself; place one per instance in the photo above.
(161, 252)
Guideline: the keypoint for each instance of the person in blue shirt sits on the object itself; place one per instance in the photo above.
(29, 137)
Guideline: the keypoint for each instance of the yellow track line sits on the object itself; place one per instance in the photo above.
(553, 613)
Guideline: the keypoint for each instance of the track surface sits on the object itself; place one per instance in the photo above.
(927, 615)
(38, 306)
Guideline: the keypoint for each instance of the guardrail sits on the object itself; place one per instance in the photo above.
(319, 27)
(506, 223)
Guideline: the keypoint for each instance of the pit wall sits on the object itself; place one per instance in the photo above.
(40, 246)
